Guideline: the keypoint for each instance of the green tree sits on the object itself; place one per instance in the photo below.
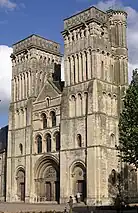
(128, 124)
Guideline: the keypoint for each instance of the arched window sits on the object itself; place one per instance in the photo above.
(79, 140)
(48, 142)
(53, 118)
(112, 140)
(113, 177)
(73, 106)
(47, 102)
(79, 105)
(44, 120)
(21, 148)
(39, 144)
(57, 140)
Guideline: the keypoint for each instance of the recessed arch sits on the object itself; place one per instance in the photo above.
(53, 118)
(20, 178)
(48, 142)
(47, 183)
(39, 143)
(56, 136)
(78, 178)
(44, 120)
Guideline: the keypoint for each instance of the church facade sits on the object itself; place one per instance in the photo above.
(62, 135)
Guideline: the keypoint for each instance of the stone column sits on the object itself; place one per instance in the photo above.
(15, 90)
(23, 86)
(124, 35)
(76, 68)
(89, 65)
(20, 82)
(26, 86)
(93, 66)
(17, 83)
(30, 83)
(80, 67)
(68, 71)
(72, 70)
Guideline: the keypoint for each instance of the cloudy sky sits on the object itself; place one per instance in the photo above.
(20, 18)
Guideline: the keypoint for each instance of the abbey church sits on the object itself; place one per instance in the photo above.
(62, 135)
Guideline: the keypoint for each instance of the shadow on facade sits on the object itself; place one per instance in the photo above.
(122, 187)
(122, 191)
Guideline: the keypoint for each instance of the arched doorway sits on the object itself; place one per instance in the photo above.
(79, 181)
(21, 184)
(47, 182)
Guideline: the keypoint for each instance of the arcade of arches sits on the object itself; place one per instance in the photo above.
(47, 181)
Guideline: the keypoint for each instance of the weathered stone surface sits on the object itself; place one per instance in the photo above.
(77, 128)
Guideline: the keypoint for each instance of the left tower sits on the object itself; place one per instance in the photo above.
(32, 64)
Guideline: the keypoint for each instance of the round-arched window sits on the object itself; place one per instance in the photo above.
(39, 144)
(48, 142)
(79, 140)
(21, 148)
(44, 120)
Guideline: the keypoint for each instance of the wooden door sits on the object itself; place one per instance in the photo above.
(48, 191)
(22, 185)
(81, 189)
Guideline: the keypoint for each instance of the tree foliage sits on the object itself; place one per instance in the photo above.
(128, 124)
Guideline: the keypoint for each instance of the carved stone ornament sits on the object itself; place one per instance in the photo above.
(38, 42)
(91, 13)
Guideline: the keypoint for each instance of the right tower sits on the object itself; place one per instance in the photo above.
(96, 76)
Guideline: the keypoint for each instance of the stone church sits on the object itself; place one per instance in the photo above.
(62, 135)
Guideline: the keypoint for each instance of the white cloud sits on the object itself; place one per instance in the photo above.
(5, 77)
(8, 4)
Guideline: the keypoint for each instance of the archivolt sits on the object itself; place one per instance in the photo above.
(43, 162)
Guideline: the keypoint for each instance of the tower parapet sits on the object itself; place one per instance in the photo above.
(85, 16)
(118, 25)
(36, 42)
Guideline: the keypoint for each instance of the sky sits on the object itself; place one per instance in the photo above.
(20, 18)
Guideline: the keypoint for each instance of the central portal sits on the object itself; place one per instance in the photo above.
(47, 183)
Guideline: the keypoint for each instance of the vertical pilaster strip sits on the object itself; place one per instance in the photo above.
(14, 89)
(69, 70)
(20, 86)
(76, 68)
(84, 66)
(17, 88)
(23, 86)
(72, 70)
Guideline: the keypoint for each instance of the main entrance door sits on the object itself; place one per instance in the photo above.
(81, 189)
(48, 191)
(47, 181)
